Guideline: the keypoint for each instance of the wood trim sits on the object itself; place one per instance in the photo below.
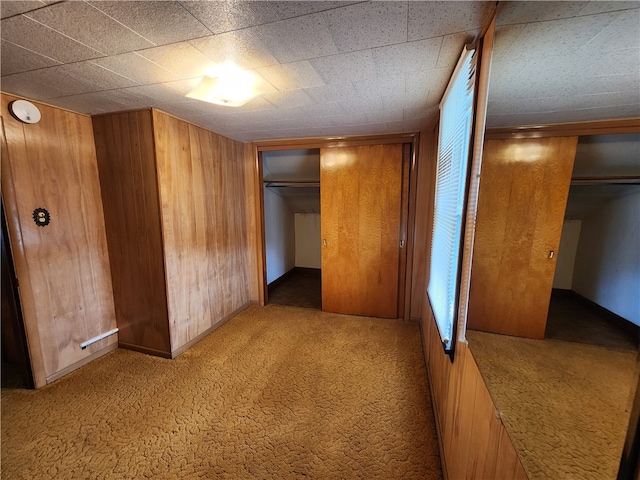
(348, 141)
(308, 271)
(252, 189)
(119, 112)
(191, 343)
(262, 242)
(599, 127)
(82, 363)
(404, 227)
(480, 119)
(411, 226)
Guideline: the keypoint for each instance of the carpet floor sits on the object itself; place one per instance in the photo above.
(565, 405)
(275, 393)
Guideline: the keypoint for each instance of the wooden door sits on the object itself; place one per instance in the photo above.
(361, 191)
(521, 205)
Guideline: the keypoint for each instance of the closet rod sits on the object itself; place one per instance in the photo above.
(301, 184)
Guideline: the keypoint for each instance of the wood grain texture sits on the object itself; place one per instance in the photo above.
(474, 442)
(521, 205)
(326, 142)
(361, 191)
(127, 166)
(425, 184)
(597, 127)
(253, 181)
(404, 227)
(62, 269)
(201, 182)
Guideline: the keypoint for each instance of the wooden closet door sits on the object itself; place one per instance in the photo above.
(361, 191)
(521, 205)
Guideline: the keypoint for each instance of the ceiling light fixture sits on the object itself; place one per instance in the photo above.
(226, 85)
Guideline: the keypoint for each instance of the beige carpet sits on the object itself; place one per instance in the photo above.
(276, 393)
(565, 405)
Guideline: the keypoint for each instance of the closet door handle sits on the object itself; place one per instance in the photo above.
(324, 242)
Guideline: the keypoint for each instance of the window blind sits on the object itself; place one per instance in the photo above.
(454, 146)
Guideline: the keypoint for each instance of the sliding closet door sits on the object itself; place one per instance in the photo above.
(361, 191)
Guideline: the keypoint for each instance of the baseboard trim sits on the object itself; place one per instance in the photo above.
(307, 270)
(613, 318)
(191, 343)
(141, 349)
(55, 376)
(273, 285)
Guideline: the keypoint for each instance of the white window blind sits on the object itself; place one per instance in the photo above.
(454, 145)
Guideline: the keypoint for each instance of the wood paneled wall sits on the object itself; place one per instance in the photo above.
(63, 268)
(127, 165)
(201, 181)
(474, 442)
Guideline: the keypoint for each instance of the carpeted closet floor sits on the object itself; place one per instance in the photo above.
(275, 393)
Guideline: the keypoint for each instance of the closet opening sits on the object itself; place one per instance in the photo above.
(595, 288)
(291, 189)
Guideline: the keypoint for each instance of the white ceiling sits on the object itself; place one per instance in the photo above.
(327, 68)
(557, 62)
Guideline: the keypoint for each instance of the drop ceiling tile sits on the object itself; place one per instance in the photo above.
(288, 9)
(452, 48)
(98, 102)
(87, 74)
(367, 25)
(359, 106)
(160, 22)
(161, 94)
(562, 37)
(384, 116)
(428, 84)
(530, 12)
(16, 59)
(291, 76)
(242, 48)
(297, 39)
(289, 99)
(506, 42)
(592, 8)
(407, 57)
(104, 35)
(322, 110)
(617, 35)
(345, 67)
(434, 19)
(35, 85)
(183, 59)
(336, 92)
(381, 86)
(137, 68)
(41, 39)
(220, 17)
(419, 112)
(10, 8)
(619, 62)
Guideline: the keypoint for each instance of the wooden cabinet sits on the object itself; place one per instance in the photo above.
(361, 216)
(521, 205)
(63, 267)
(176, 219)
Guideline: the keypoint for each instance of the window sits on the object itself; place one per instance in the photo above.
(454, 147)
